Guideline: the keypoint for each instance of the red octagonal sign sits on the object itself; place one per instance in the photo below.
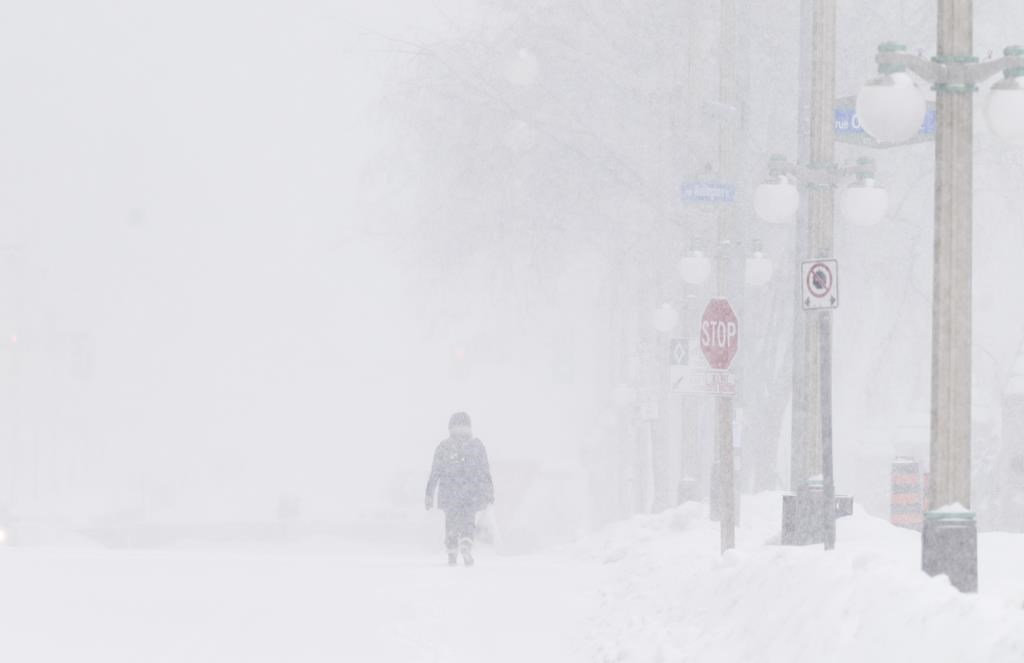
(719, 333)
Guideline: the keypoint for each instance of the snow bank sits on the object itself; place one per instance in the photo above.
(671, 597)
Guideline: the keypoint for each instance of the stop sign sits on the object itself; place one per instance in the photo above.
(719, 333)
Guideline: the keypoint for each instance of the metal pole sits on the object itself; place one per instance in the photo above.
(952, 550)
(821, 207)
(828, 480)
(688, 425)
(817, 432)
(799, 435)
(951, 312)
(726, 233)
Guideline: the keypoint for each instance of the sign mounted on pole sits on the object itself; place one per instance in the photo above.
(703, 381)
(820, 283)
(679, 352)
(649, 411)
(708, 192)
(678, 358)
(719, 334)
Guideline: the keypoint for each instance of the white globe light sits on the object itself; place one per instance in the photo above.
(665, 318)
(1005, 113)
(759, 269)
(891, 108)
(520, 136)
(608, 419)
(521, 68)
(776, 201)
(695, 268)
(864, 202)
(623, 395)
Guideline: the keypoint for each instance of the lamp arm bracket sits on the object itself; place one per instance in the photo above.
(803, 174)
(982, 71)
(952, 71)
(929, 70)
(825, 176)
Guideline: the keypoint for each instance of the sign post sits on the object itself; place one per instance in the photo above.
(820, 283)
(719, 342)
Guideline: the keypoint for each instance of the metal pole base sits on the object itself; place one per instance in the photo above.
(803, 515)
(949, 546)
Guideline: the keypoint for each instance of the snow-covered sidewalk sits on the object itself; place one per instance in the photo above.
(672, 598)
(652, 589)
(289, 605)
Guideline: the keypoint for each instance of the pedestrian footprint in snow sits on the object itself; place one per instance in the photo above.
(461, 476)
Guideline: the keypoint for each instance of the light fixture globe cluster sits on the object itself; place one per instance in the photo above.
(777, 200)
(624, 394)
(665, 318)
(891, 108)
(1005, 112)
(759, 268)
(863, 201)
(695, 267)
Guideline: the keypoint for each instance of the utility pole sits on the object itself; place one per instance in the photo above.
(950, 537)
(818, 241)
(952, 545)
(800, 434)
(726, 271)
(821, 204)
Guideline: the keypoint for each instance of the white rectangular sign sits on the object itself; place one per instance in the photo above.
(649, 411)
(702, 381)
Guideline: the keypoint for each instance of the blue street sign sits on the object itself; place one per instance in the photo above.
(847, 122)
(708, 192)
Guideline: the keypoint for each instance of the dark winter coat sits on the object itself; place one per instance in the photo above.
(461, 475)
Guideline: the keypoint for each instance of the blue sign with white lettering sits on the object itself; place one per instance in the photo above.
(708, 192)
(848, 123)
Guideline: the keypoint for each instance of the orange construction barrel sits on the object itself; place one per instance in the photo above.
(907, 509)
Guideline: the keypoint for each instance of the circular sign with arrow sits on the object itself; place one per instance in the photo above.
(821, 284)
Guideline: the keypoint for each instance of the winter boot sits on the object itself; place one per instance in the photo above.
(453, 559)
(466, 548)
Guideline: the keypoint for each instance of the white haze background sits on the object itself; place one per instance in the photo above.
(204, 319)
(209, 298)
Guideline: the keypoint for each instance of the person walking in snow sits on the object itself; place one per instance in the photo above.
(461, 476)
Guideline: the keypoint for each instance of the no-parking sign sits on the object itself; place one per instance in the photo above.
(820, 282)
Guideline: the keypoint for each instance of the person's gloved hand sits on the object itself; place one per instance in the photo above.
(430, 502)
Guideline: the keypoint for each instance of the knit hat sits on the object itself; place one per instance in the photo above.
(458, 419)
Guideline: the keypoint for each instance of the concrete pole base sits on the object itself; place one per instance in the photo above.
(803, 515)
(949, 546)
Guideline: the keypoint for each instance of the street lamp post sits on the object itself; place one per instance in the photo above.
(863, 202)
(888, 106)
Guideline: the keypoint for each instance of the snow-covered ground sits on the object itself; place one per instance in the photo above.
(288, 605)
(651, 589)
(672, 597)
